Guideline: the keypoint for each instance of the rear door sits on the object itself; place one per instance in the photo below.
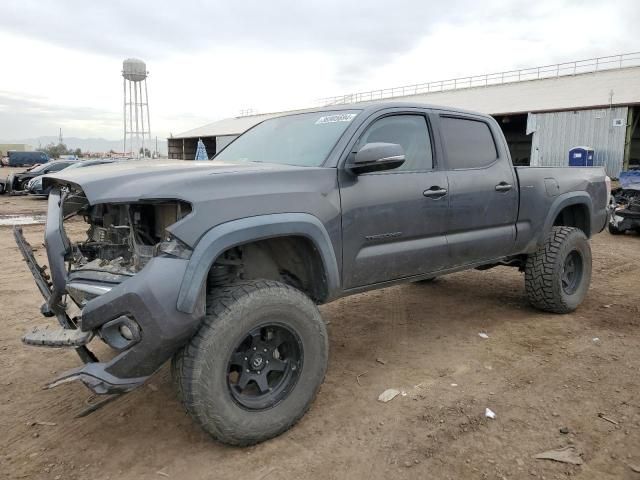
(483, 190)
(391, 229)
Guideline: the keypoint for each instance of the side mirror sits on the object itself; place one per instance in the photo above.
(374, 157)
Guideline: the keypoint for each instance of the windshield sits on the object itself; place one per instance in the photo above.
(304, 139)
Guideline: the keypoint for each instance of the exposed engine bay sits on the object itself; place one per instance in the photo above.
(625, 214)
(123, 237)
(627, 199)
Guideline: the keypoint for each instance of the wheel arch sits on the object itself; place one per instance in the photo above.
(573, 209)
(216, 241)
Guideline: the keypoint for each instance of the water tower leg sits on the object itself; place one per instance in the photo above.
(142, 131)
(135, 106)
(130, 118)
(146, 101)
(124, 111)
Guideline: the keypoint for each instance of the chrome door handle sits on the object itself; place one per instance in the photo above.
(503, 187)
(435, 192)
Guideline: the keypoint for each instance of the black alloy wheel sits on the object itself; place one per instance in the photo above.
(572, 272)
(265, 367)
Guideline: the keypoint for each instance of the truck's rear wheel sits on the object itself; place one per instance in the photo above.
(558, 274)
(256, 363)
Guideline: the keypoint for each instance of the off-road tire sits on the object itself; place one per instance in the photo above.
(200, 368)
(544, 268)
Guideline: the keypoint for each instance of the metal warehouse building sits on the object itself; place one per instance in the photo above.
(543, 111)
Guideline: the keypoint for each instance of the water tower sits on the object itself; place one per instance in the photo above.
(136, 106)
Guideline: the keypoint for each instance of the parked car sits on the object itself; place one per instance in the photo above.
(34, 186)
(22, 159)
(221, 264)
(18, 181)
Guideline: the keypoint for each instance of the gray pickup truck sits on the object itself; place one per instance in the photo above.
(221, 264)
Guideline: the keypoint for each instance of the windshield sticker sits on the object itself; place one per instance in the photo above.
(342, 117)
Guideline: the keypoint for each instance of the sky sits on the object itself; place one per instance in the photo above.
(61, 60)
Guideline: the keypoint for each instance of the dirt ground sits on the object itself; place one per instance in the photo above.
(538, 372)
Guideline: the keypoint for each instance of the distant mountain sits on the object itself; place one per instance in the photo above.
(89, 144)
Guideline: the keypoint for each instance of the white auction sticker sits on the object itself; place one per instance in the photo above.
(342, 117)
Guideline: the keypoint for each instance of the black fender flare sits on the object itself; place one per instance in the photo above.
(237, 232)
(566, 200)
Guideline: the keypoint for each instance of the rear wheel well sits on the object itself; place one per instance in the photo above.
(293, 260)
(574, 216)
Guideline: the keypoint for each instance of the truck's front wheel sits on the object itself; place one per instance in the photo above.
(256, 363)
(558, 274)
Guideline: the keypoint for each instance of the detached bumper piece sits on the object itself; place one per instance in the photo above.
(39, 273)
(47, 336)
(94, 376)
(49, 308)
(134, 314)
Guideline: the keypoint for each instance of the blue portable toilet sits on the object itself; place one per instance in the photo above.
(581, 157)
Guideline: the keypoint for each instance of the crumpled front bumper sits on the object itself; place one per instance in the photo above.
(148, 299)
(623, 217)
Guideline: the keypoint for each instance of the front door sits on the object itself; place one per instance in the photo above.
(394, 221)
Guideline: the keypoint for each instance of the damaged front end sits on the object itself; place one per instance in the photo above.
(118, 282)
(120, 242)
(625, 209)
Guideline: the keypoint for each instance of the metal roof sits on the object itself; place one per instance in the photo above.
(573, 85)
(227, 126)
(571, 69)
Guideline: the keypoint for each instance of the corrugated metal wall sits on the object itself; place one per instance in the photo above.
(555, 133)
(224, 140)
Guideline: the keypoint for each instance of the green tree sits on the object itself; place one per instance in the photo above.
(54, 151)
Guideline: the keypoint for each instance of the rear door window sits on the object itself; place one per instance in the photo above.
(468, 143)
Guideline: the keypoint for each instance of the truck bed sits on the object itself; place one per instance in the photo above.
(544, 191)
